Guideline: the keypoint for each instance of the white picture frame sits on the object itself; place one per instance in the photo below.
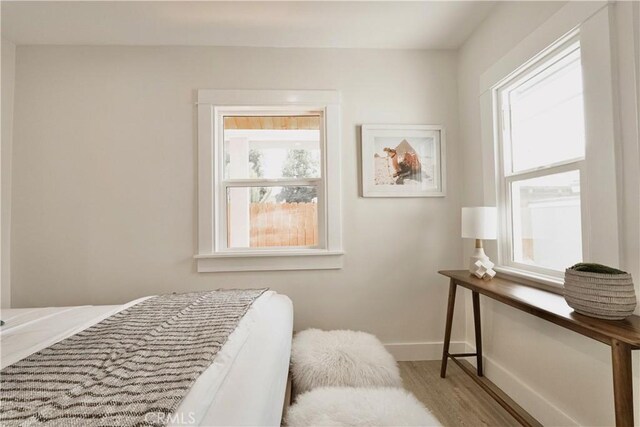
(403, 161)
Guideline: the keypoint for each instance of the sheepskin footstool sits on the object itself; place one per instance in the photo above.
(341, 358)
(349, 406)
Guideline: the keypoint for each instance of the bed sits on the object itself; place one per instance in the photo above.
(245, 384)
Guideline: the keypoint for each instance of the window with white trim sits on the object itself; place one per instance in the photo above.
(541, 168)
(272, 185)
(269, 180)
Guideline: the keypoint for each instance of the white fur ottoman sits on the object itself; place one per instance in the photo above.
(349, 406)
(341, 358)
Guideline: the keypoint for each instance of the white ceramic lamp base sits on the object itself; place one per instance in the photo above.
(478, 255)
(479, 263)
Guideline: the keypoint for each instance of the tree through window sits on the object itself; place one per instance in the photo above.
(272, 177)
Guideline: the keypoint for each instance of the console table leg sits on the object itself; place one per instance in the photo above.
(622, 383)
(478, 330)
(447, 329)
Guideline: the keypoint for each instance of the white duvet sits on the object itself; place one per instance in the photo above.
(245, 385)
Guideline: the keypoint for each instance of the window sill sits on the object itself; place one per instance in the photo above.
(541, 281)
(311, 259)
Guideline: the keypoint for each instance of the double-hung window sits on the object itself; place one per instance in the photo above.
(273, 182)
(541, 173)
(549, 147)
(269, 196)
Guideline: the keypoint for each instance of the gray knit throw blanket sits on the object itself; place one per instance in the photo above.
(133, 368)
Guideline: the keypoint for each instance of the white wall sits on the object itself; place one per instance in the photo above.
(558, 376)
(104, 205)
(104, 181)
(7, 64)
(627, 19)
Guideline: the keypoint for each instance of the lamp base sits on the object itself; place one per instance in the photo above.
(478, 255)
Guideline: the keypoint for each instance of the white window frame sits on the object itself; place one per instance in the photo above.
(506, 175)
(224, 184)
(590, 22)
(213, 253)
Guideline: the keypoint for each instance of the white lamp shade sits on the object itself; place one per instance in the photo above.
(479, 223)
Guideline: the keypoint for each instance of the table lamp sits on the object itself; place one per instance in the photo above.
(479, 223)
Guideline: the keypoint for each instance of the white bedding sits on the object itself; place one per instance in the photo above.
(245, 385)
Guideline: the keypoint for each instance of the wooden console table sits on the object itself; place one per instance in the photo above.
(622, 335)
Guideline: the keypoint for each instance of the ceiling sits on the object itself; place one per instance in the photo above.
(388, 25)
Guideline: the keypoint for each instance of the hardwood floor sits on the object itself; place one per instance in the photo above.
(456, 400)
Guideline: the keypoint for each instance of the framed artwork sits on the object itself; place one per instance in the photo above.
(403, 161)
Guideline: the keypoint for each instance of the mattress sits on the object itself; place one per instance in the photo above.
(245, 385)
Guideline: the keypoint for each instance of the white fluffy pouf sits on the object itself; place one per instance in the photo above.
(350, 406)
(341, 358)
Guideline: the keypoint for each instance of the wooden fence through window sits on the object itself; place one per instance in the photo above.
(283, 224)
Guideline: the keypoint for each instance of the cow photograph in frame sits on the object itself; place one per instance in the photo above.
(403, 161)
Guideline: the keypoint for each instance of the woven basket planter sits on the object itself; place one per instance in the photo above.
(605, 296)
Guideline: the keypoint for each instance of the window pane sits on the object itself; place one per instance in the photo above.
(272, 216)
(547, 221)
(272, 147)
(547, 117)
